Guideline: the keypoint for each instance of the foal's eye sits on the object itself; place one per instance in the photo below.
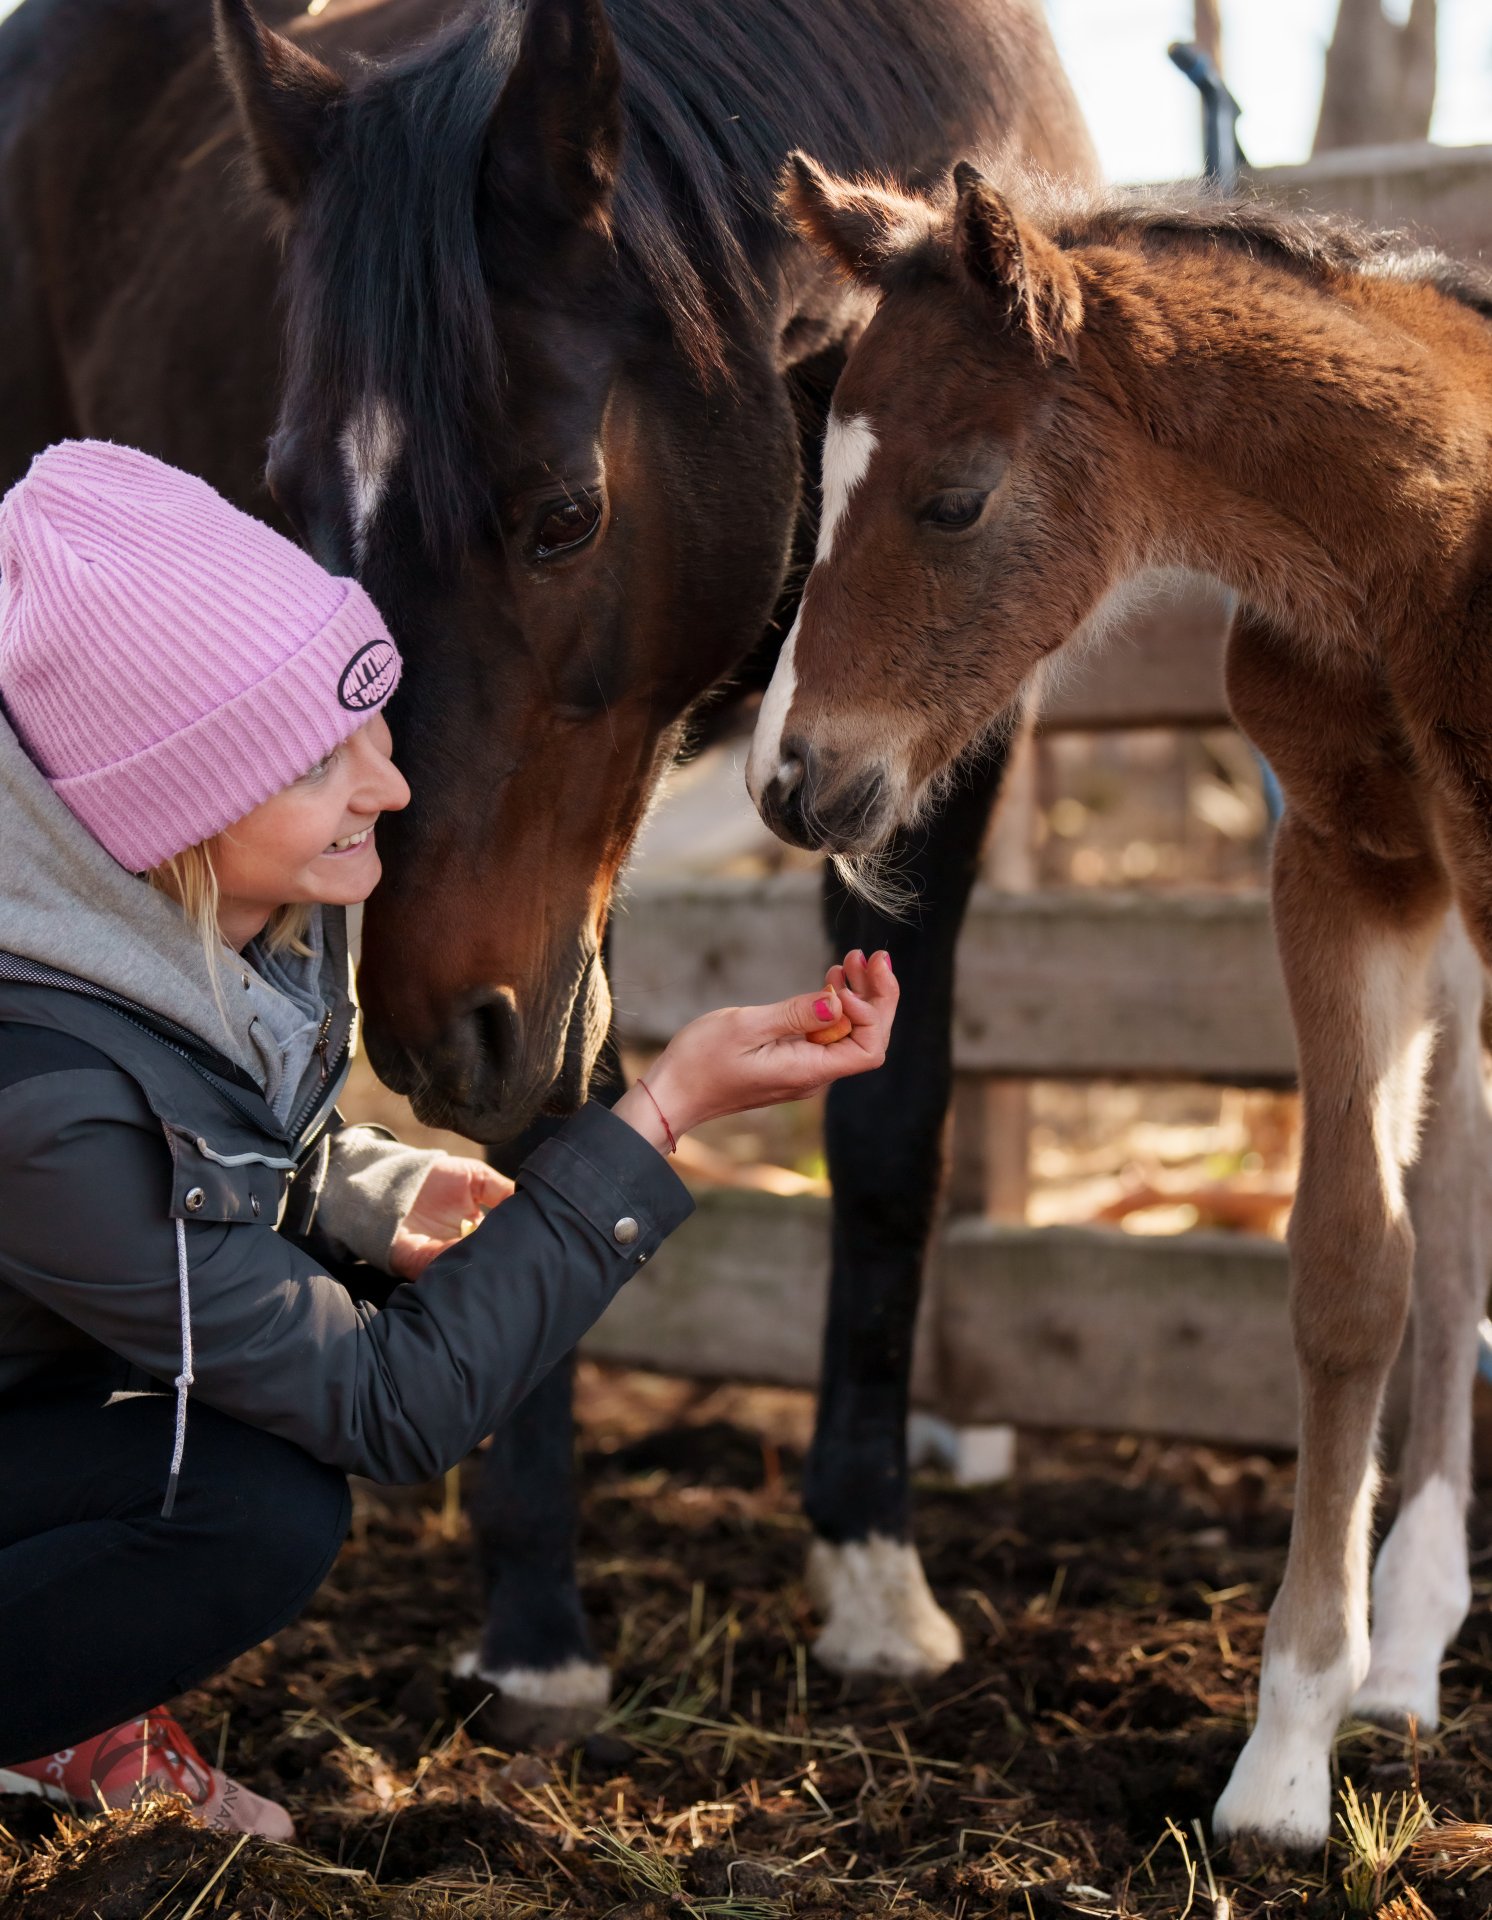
(950, 511)
(565, 525)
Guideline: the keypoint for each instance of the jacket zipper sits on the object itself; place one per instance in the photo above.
(328, 1067)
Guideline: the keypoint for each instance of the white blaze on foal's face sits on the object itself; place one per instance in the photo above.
(848, 446)
(371, 442)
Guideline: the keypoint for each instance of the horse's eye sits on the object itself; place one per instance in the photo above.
(565, 525)
(950, 511)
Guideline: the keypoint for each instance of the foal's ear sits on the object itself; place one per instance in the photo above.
(554, 143)
(860, 227)
(284, 96)
(1028, 277)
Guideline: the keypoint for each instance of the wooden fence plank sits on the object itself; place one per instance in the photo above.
(1089, 1327)
(1041, 1327)
(1082, 984)
(1162, 667)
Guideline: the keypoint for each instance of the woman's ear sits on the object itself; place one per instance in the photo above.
(859, 227)
(1026, 275)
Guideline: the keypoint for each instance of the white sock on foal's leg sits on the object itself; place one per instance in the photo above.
(1421, 1594)
(1280, 1791)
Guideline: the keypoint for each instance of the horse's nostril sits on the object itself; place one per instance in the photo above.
(788, 777)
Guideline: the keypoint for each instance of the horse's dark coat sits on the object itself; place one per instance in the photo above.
(559, 287)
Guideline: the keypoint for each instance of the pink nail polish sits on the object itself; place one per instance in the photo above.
(823, 1010)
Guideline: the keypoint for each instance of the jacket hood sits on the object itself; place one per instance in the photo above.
(66, 903)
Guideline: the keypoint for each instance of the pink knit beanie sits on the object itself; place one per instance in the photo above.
(167, 661)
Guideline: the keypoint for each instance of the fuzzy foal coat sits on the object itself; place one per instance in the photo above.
(1047, 407)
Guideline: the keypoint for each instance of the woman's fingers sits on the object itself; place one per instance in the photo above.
(805, 1013)
(489, 1188)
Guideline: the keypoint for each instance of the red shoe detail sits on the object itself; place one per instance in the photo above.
(152, 1752)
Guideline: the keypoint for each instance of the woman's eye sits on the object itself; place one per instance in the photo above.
(565, 525)
(320, 769)
(951, 511)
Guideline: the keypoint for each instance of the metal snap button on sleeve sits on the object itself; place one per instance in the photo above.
(625, 1231)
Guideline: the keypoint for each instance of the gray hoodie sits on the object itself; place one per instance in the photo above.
(66, 904)
(142, 1186)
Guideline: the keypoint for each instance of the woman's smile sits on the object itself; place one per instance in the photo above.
(353, 843)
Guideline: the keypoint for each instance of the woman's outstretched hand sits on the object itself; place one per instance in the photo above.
(744, 1057)
(453, 1197)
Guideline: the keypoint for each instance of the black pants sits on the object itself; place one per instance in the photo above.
(106, 1609)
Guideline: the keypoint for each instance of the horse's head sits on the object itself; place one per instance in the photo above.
(961, 540)
(570, 496)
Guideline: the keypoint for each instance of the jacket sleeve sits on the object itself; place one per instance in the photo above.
(398, 1394)
(371, 1182)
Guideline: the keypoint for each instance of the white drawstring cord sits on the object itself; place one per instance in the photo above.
(184, 1378)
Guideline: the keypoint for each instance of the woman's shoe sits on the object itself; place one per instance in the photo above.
(151, 1752)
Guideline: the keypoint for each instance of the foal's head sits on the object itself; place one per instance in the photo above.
(506, 409)
(972, 515)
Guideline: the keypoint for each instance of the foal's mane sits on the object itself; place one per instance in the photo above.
(1315, 245)
(1318, 246)
(398, 302)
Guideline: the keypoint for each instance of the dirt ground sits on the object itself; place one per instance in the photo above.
(1111, 1599)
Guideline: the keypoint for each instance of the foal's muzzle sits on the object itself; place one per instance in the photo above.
(819, 799)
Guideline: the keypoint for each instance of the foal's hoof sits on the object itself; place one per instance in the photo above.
(880, 1618)
(1396, 1692)
(1278, 1801)
(530, 1706)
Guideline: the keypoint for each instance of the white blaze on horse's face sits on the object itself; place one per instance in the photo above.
(848, 446)
(371, 442)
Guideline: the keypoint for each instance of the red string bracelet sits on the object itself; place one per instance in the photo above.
(673, 1145)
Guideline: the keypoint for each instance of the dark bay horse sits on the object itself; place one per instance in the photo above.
(529, 349)
(1053, 400)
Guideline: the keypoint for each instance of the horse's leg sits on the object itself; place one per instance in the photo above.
(535, 1660)
(1422, 1583)
(1359, 900)
(884, 1145)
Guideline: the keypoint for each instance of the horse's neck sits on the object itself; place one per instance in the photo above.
(1286, 434)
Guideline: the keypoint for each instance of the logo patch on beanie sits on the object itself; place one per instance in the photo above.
(368, 677)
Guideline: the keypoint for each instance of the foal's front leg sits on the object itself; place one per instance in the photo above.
(1422, 1581)
(1357, 934)
(883, 1137)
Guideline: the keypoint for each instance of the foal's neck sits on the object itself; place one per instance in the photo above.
(1306, 443)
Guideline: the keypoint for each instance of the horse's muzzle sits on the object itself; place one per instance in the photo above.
(820, 800)
(495, 1066)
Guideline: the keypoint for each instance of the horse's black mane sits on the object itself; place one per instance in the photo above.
(389, 296)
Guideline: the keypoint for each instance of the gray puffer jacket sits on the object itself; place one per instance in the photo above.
(176, 1187)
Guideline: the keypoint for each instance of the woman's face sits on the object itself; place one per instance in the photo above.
(313, 842)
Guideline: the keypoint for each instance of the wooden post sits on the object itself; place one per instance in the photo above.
(989, 1172)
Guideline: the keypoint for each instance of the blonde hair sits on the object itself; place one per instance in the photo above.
(191, 880)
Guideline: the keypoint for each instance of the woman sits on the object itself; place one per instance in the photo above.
(193, 761)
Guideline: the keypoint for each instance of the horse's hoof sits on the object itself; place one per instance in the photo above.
(1396, 1692)
(880, 1618)
(520, 1707)
(1278, 1802)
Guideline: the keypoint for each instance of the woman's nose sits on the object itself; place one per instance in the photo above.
(398, 790)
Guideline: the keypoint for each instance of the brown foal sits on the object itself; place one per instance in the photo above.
(1055, 404)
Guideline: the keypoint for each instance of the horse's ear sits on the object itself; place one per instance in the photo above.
(284, 95)
(860, 227)
(1027, 276)
(554, 143)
